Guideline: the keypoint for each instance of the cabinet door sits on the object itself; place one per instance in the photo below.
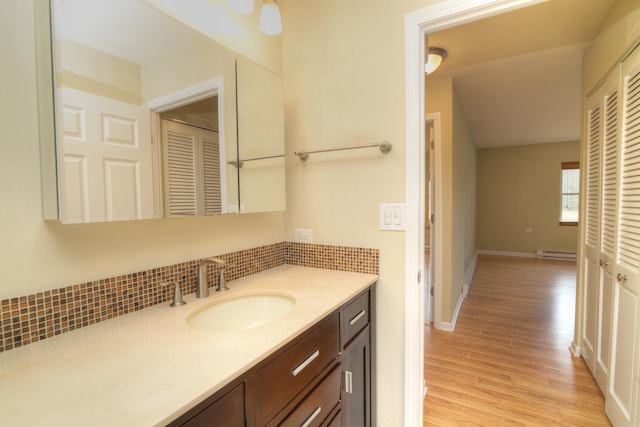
(592, 230)
(622, 397)
(356, 388)
(600, 229)
(607, 245)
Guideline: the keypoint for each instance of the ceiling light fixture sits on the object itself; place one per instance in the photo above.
(270, 22)
(242, 7)
(434, 58)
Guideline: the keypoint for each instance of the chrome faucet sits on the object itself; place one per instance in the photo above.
(202, 287)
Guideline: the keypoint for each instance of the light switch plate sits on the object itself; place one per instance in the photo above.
(393, 216)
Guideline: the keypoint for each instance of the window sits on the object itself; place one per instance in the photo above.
(569, 203)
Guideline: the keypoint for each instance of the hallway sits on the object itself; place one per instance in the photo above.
(508, 362)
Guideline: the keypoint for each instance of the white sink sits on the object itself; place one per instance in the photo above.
(241, 312)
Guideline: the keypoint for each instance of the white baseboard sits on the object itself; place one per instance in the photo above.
(450, 326)
(468, 275)
(506, 253)
(575, 349)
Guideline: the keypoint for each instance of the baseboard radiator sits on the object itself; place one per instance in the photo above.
(555, 255)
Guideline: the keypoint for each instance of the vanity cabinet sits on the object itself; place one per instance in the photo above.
(322, 378)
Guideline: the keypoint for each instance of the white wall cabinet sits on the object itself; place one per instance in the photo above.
(611, 230)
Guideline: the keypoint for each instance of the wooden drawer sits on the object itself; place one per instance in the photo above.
(317, 406)
(355, 317)
(275, 385)
(227, 411)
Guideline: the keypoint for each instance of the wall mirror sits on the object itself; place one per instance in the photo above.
(261, 138)
(145, 114)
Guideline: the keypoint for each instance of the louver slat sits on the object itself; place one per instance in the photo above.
(182, 169)
(629, 246)
(211, 166)
(593, 172)
(609, 179)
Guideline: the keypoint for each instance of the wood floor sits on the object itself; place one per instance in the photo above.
(508, 362)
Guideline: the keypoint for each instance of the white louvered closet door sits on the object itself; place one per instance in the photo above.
(192, 170)
(212, 194)
(179, 148)
(592, 230)
(608, 211)
(622, 397)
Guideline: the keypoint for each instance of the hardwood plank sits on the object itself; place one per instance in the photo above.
(508, 362)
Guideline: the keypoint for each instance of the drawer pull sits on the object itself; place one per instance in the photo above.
(358, 317)
(305, 363)
(348, 382)
(311, 417)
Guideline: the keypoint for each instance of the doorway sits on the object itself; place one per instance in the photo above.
(442, 15)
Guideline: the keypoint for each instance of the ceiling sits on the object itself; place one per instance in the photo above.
(518, 75)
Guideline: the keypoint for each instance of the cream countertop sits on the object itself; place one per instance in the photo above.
(148, 367)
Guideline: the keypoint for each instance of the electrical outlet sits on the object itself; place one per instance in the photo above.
(528, 229)
(303, 235)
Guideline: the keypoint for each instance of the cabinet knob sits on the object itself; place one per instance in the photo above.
(604, 263)
(621, 277)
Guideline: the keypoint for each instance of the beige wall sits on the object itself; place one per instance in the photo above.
(344, 84)
(458, 157)
(520, 187)
(339, 90)
(36, 255)
(619, 31)
(93, 71)
(463, 210)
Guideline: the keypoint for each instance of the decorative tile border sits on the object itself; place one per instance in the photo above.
(360, 260)
(28, 319)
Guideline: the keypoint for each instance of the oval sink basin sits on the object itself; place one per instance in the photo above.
(241, 312)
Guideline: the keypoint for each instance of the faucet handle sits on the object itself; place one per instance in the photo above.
(177, 293)
(221, 263)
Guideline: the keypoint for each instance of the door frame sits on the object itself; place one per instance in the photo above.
(442, 15)
(180, 98)
(435, 270)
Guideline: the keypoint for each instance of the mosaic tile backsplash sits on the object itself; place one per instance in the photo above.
(31, 318)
